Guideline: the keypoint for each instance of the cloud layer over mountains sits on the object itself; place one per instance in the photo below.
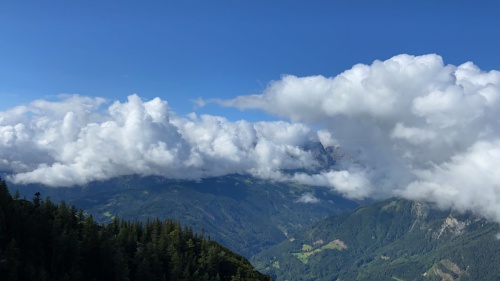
(74, 141)
(409, 126)
(422, 129)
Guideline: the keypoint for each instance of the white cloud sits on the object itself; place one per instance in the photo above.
(326, 138)
(415, 127)
(199, 102)
(308, 198)
(352, 184)
(74, 141)
(468, 181)
(409, 126)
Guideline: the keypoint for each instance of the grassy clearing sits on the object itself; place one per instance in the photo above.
(335, 245)
(303, 258)
(307, 250)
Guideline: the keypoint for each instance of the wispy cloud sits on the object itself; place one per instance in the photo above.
(308, 198)
(199, 102)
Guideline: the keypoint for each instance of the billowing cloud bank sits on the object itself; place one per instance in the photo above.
(407, 126)
(418, 128)
(75, 141)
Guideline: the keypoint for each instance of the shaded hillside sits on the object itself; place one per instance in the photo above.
(245, 214)
(391, 240)
(43, 241)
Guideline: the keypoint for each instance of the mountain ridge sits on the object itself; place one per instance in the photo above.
(243, 213)
(40, 240)
(395, 238)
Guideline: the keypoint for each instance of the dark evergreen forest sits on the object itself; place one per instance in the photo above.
(40, 240)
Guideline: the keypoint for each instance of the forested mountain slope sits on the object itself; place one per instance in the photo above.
(40, 240)
(242, 213)
(391, 240)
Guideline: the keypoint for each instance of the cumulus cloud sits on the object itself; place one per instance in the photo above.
(414, 126)
(77, 139)
(467, 181)
(410, 126)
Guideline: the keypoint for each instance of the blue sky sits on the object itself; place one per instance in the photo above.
(182, 50)
(422, 126)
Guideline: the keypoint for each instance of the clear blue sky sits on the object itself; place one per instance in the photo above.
(181, 50)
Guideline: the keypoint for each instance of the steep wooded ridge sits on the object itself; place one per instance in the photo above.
(40, 240)
(390, 240)
(242, 213)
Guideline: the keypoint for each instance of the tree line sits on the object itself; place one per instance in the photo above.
(41, 240)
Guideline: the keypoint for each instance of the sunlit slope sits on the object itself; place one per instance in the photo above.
(396, 239)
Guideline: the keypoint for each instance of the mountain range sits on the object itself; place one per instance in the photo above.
(394, 239)
(293, 239)
(243, 213)
(299, 232)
